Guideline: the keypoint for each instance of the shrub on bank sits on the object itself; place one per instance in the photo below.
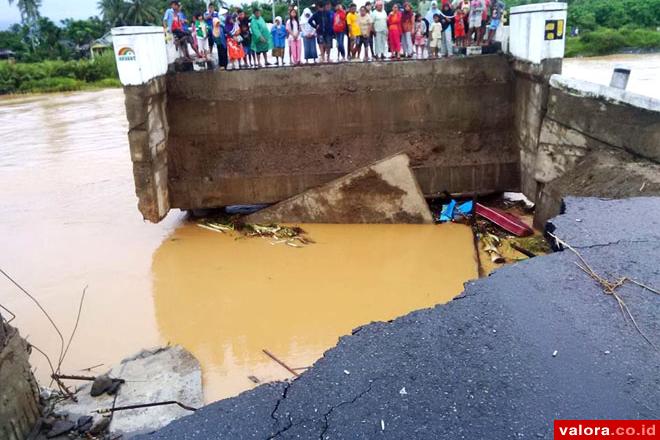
(609, 41)
(57, 75)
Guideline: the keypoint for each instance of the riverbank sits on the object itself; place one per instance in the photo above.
(59, 76)
(534, 339)
(613, 41)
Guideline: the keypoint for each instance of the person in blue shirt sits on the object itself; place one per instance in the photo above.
(278, 32)
(209, 15)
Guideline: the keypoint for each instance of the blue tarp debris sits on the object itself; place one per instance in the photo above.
(453, 209)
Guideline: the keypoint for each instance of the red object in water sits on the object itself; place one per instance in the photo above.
(504, 220)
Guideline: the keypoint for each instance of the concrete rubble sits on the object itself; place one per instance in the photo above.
(154, 375)
(383, 192)
(536, 341)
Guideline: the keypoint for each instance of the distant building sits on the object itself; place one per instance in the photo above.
(100, 45)
(6, 54)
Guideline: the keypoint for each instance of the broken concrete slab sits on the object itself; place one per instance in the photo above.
(154, 375)
(383, 192)
(536, 341)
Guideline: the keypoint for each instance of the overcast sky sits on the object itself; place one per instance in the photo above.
(56, 10)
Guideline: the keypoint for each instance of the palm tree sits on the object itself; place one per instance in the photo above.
(141, 12)
(113, 12)
(29, 9)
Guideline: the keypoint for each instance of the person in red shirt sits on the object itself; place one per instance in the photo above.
(339, 28)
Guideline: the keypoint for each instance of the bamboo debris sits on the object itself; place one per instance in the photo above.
(610, 287)
(293, 236)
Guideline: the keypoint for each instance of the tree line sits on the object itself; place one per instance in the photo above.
(604, 25)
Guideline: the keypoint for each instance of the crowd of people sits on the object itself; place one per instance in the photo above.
(366, 33)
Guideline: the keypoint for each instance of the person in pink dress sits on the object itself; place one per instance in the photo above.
(395, 31)
(293, 36)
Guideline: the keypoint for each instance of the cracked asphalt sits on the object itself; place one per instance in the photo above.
(536, 341)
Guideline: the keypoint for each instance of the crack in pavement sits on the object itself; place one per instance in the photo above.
(348, 402)
(324, 417)
(277, 420)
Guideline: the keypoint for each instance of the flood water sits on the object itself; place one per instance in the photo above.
(644, 75)
(70, 220)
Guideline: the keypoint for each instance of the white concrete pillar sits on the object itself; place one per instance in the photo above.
(140, 52)
(538, 31)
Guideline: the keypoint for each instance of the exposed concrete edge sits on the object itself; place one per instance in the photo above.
(586, 89)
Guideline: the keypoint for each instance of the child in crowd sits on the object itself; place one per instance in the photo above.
(436, 35)
(476, 10)
(459, 27)
(232, 31)
(420, 36)
(278, 33)
(294, 38)
(201, 34)
(492, 27)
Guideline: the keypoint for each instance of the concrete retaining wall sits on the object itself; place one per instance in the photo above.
(19, 393)
(264, 136)
(476, 124)
(146, 110)
(594, 141)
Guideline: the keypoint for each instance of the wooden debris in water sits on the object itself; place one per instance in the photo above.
(293, 236)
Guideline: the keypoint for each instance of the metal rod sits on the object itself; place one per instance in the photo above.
(272, 356)
(144, 405)
(71, 377)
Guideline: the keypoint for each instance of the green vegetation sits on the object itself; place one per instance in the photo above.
(58, 75)
(610, 26)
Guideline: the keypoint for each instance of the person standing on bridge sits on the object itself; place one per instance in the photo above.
(408, 26)
(309, 36)
(379, 17)
(447, 21)
(322, 22)
(294, 39)
(261, 38)
(339, 29)
(366, 30)
(353, 31)
(209, 15)
(394, 32)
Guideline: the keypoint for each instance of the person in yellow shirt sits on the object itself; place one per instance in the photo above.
(353, 30)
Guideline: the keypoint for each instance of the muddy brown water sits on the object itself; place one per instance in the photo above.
(69, 220)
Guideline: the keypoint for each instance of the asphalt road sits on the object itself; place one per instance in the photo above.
(534, 342)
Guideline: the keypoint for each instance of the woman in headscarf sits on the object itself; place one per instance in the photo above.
(447, 21)
(309, 36)
(261, 38)
(408, 26)
(394, 31)
(293, 32)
